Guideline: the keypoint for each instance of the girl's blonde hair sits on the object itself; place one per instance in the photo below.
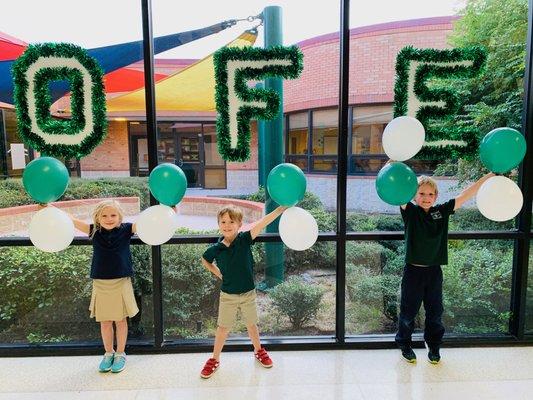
(426, 180)
(97, 213)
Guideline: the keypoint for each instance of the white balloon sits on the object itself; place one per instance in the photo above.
(156, 225)
(51, 230)
(499, 199)
(403, 137)
(298, 229)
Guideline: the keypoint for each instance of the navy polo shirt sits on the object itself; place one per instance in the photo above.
(111, 252)
(235, 262)
(426, 233)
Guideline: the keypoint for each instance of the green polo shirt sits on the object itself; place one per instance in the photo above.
(426, 233)
(235, 262)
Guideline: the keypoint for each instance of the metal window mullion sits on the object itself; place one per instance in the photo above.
(521, 249)
(151, 131)
(342, 155)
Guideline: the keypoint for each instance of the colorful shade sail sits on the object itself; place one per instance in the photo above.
(191, 89)
(112, 57)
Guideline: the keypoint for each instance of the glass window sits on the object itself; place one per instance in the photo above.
(215, 166)
(298, 128)
(529, 302)
(476, 287)
(300, 300)
(325, 132)
(47, 300)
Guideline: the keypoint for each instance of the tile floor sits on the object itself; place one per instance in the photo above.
(471, 373)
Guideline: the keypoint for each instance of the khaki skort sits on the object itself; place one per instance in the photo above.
(112, 300)
(231, 303)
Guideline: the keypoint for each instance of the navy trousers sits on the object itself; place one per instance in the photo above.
(421, 285)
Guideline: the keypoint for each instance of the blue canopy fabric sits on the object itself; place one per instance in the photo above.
(113, 57)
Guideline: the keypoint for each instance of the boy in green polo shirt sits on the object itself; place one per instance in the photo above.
(234, 266)
(426, 242)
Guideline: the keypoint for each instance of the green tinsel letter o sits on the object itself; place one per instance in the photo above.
(32, 72)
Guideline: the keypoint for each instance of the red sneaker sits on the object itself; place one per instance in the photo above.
(263, 358)
(209, 369)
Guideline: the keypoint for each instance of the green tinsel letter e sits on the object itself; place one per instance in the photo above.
(237, 103)
(413, 97)
(32, 72)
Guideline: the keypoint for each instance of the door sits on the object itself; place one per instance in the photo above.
(190, 152)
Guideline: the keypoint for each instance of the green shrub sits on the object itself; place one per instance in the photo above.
(371, 289)
(356, 222)
(371, 255)
(298, 300)
(477, 286)
(31, 279)
(470, 219)
(388, 222)
(189, 290)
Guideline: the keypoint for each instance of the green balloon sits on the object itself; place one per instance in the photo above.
(286, 184)
(45, 179)
(167, 183)
(502, 149)
(396, 184)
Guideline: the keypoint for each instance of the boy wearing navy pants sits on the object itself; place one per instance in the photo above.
(426, 243)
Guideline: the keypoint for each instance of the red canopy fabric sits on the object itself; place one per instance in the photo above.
(126, 80)
(10, 47)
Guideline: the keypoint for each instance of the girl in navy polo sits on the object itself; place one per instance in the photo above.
(112, 298)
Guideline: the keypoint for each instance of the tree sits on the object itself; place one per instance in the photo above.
(494, 99)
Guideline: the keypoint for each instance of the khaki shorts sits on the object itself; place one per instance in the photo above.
(112, 300)
(231, 303)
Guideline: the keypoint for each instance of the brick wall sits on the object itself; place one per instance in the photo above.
(112, 154)
(16, 220)
(373, 53)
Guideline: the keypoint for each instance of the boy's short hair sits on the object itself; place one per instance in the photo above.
(426, 180)
(235, 213)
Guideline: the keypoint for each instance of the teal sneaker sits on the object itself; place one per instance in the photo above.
(119, 362)
(106, 363)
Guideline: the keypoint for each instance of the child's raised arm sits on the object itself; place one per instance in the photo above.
(266, 220)
(78, 223)
(470, 191)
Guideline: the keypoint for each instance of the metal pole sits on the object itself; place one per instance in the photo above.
(521, 249)
(344, 43)
(273, 151)
(151, 126)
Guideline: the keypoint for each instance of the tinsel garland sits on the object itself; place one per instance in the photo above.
(245, 113)
(58, 61)
(426, 114)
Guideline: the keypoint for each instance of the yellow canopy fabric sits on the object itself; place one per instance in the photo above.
(191, 89)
